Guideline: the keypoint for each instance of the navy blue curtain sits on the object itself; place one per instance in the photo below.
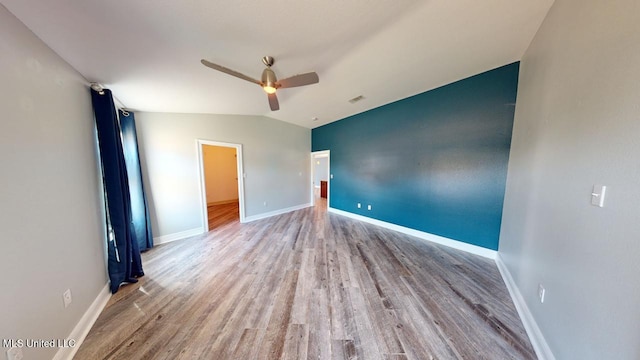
(139, 210)
(124, 262)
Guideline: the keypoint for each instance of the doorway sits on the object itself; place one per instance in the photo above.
(321, 179)
(222, 185)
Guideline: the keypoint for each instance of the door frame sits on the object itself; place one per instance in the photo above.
(314, 156)
(203, 186)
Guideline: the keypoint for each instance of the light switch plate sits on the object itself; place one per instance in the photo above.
(597, 195)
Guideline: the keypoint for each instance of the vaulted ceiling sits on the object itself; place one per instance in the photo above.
(148, 51)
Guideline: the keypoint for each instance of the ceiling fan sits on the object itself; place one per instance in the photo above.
(269, 82)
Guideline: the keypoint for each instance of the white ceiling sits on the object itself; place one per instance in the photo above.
(148, 51)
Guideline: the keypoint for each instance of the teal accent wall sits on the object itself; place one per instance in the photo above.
(434, 162)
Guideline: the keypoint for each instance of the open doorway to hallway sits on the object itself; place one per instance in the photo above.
(221, 184)
(321, 179)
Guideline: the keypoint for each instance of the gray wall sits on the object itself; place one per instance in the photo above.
(51, 223)
(577, 124)
(276, 163)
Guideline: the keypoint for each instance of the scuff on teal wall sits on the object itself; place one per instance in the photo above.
(434, 162)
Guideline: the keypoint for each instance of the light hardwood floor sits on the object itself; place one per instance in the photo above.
(309, 285)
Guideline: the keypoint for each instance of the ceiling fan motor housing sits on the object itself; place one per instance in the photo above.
(269, 78)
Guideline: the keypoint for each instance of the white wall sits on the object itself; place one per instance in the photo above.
(220, 173)
(51, 222)
(321, 172)
(276, 163)
(577, 124)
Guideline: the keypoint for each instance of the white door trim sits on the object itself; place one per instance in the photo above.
(314, 156)
(203, 188)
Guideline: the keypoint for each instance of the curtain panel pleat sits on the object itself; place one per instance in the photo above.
(124, 262)
(139, 209)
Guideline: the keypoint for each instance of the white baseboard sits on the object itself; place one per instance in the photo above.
(178, 236)
(275, 212)
(473, 249)
(535, 335)
(80, 331)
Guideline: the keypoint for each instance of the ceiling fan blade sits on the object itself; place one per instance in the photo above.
(229, 71)
(273, 102)
(299, 80)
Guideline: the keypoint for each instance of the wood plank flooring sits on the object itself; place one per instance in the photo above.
(222, 214)
(309, 285)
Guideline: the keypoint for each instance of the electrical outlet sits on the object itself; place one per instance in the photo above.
(359, 205)
(66, 297)
(541, 292)
(15, 353)
(368, 207)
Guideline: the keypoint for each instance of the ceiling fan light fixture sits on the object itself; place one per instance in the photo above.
(269, 81)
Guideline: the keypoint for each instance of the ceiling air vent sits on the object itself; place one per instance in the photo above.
(356, 99)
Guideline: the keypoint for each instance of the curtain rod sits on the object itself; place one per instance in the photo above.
(100, 90)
